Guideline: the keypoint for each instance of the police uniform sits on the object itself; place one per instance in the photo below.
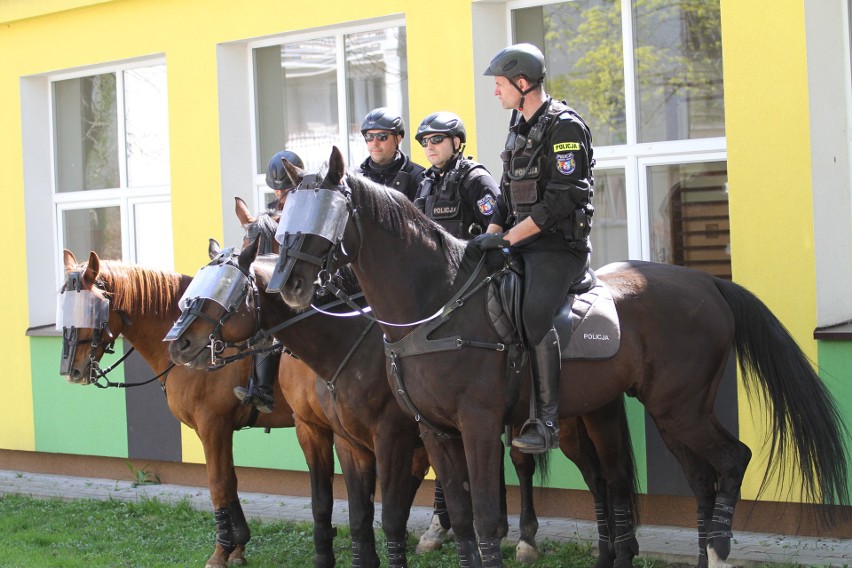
(462, 197)
(401, 174)
(547, 175)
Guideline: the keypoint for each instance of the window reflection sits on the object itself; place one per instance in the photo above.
(583, 49)
(93, 229)
(146, 120)
(689, 216)
(609, 228)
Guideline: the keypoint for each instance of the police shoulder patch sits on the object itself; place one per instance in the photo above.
(566, 163)
(486, 205)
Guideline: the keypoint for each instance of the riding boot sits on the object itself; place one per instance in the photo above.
(259, 391)
(541, 434)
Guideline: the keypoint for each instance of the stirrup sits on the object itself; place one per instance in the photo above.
(548, 437)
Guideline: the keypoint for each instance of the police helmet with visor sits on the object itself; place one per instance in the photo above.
(521, 59)
(443, 122)
(383, 118)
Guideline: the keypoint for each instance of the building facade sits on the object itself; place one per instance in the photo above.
(722, 129)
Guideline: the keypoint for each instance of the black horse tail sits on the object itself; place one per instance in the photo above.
(805, 418)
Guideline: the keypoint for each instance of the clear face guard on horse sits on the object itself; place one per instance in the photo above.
(77, 308)
(321, 212)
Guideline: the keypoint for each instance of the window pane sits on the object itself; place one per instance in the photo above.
(678, 53)
(689, 216)
(583, 50)
(146, 120)
(86, 133)
(609, 225)
(296, 91)
(95, 229)
(376, 76)
(154, 247)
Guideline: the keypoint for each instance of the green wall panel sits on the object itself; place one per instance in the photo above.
(70, 418)
(277, 450)
(835, 369)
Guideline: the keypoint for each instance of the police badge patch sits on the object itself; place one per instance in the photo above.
(565, 163)
(486, 205)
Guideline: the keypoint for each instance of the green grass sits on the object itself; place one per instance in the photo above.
(51, 533)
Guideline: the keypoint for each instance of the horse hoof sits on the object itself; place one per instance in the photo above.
(526, 553)
(216, 561)
(237, 557)
(714, 561)
(434, 538)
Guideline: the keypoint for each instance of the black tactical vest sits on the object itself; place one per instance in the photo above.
(443, 203)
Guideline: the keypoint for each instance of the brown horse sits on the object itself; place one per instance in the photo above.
(143, 304)
(678, 328)
(611, 478)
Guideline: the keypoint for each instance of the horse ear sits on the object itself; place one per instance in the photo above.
(336, 167)
(295, 173)
(213, 248)
(248, 254)
(69, 259)
(93, 270)
(242, 211)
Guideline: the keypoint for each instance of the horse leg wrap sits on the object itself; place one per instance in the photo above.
(720, 535)
(440, 508)
(242, 533)
(364, 554)
(606, 555)
(324, 545)
(396, 554)
(625, 544)
(489, 550)
(468, 553)
(704, 520)
(224, 529)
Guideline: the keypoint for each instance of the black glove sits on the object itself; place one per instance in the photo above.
(489, 241)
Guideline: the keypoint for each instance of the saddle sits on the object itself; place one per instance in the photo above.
(587, 323)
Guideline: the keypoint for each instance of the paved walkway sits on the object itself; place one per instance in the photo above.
(666, 543)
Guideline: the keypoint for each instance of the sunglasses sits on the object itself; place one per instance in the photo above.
(435, 140)
(382, 136)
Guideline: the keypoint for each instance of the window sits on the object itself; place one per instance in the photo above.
(313, 92)
(111, 165)
(647, 77)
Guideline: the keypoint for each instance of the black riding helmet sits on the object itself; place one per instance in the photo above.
(442, 123)
(383, 118)
(276, 175)
(519, 60)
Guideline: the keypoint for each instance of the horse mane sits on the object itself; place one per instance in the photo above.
(139, 289)
(399, 216)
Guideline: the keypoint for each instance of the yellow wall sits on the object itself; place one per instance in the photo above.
(769, 178)
(39, 37)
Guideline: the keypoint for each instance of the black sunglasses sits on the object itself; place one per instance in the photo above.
(370, 136)
(435, 140)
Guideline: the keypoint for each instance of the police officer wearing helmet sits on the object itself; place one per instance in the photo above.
(265, 370)
(548, 184)
(457, 192)
(383, 131)
(277, 178)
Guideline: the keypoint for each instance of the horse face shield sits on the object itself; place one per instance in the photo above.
(77, 309)
(224, 284)
(321, 212)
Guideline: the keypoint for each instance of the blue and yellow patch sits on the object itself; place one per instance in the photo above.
(486, 205)
(566, 163)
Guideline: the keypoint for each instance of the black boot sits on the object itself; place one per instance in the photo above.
(542, 434)
(259, 392)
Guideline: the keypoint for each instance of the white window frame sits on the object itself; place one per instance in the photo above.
(339, 33)
(632, 156)
(38, 123)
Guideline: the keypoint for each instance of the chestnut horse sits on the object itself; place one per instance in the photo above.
(678, 329)
(143, 304)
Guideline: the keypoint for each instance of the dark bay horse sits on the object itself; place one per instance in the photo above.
(324, 342)
(678, 328)
(143, 304)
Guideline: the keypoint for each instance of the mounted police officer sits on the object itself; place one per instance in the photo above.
(457, 192)
(265, 369)
(383, 131)
(547, 180)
